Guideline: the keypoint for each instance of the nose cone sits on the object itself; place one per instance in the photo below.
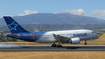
(95, 34)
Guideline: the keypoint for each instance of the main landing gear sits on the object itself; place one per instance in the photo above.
(85, 42)
(55, 45)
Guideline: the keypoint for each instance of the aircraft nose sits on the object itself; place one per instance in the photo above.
(95, 34)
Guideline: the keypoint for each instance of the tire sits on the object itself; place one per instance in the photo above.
(53, 45)
(59, 45)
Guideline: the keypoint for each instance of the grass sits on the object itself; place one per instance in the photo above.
(101, 38)
(53, 55)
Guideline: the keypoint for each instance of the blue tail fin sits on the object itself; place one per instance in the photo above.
(13, 26)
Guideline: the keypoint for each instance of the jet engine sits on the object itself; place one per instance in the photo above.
(75, 40)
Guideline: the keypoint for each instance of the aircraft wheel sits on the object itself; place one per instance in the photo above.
(53, 45)
(85, 43)
(59, 45)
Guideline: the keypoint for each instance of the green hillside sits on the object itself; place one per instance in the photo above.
(101, 38)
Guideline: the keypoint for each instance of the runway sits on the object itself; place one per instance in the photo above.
(49, 48)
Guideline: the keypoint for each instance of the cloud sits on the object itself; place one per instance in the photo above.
(76, 12)
(27, 12)
(99, 12)
(5, 15)
(1, 16)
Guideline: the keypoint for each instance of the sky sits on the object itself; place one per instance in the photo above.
(91, 8)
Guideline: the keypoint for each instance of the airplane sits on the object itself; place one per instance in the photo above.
(62, 37)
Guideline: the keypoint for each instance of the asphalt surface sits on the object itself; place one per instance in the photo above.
(49, 48)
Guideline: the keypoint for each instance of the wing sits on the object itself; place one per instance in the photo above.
(62, 39)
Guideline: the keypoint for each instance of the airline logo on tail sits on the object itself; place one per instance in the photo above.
(13, 26)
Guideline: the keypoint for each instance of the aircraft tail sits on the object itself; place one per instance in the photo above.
(13, 26)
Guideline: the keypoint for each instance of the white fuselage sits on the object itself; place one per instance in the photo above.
(81, 34)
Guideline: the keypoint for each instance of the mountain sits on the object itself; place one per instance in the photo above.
(47, 27)
(50, 18)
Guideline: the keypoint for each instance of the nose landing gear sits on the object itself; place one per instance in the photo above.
(85, 42)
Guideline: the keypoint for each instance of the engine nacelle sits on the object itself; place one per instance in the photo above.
(75, 40)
